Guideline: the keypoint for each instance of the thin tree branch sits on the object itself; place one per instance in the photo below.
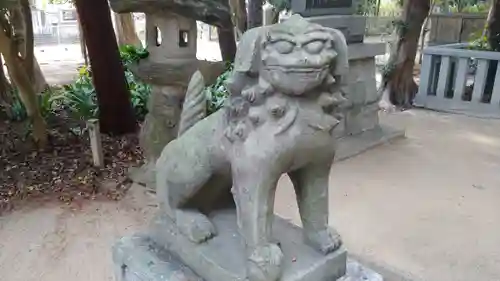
(29, 55)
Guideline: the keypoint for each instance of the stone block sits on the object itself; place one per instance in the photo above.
(222, 258)
(352, 26)
(361, 119)
(352, 145)
(314, 7)
(369, 117)
(356, 93)
(138, 258)
(361, 89)
(366, 50)
(358, 272)
(161, 123)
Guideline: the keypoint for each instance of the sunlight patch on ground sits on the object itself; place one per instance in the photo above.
(483, 139)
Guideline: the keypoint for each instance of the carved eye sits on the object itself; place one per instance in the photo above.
(315, 47)
(284, 47)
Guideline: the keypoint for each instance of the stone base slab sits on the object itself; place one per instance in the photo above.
(138, 258)
(358, 272)
(223, 258)
(350, 146)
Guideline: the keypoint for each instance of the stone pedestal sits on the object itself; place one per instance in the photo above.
(162, 255)
(352, 26)
(361, 89)
(362, 129)
(222, 258)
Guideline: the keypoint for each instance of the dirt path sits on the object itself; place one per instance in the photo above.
(55, 243)
(425, 207)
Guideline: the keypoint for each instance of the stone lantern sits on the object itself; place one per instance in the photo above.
(171, 39)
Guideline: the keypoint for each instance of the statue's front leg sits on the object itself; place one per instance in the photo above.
(254, 188)
(193, 224)
(311, 188)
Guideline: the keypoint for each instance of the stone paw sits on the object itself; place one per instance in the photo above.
(196, 226)
(325, 241)
(264, 264)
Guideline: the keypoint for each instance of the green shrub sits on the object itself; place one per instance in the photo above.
(217, 93)
(139, 95)
(45, 103)
(479, 41)
(131, 54)
(280, 5)
(471, 8)
(16, 111)
(80, 98)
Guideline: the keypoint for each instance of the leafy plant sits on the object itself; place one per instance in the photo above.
(281, 5)
(218, 93)
(139, 95)
(45, 103)
(139, 91)
(80, 97)
(479, 42)
(468, 6)
(131, 54)
(16, 111)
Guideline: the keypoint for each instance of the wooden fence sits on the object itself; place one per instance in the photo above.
(454, 28)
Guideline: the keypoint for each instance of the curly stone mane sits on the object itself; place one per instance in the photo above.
(238, 108)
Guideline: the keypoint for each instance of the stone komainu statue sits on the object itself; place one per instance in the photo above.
(281, 117)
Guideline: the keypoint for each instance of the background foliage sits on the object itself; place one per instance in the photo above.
(217, 93)
(80, 98)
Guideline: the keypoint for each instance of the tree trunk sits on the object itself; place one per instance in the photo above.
(227, 43)
(493, 23)
(23, 26)
(239, 15)
(125, 30)
(115, 110)
(19, 75)
(29, 46)
(398, 80)
(5, 87)
(492, 31)
(425, 29)
(83, 46)
(255, 16)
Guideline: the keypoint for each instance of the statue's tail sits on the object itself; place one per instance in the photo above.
(194, 108)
